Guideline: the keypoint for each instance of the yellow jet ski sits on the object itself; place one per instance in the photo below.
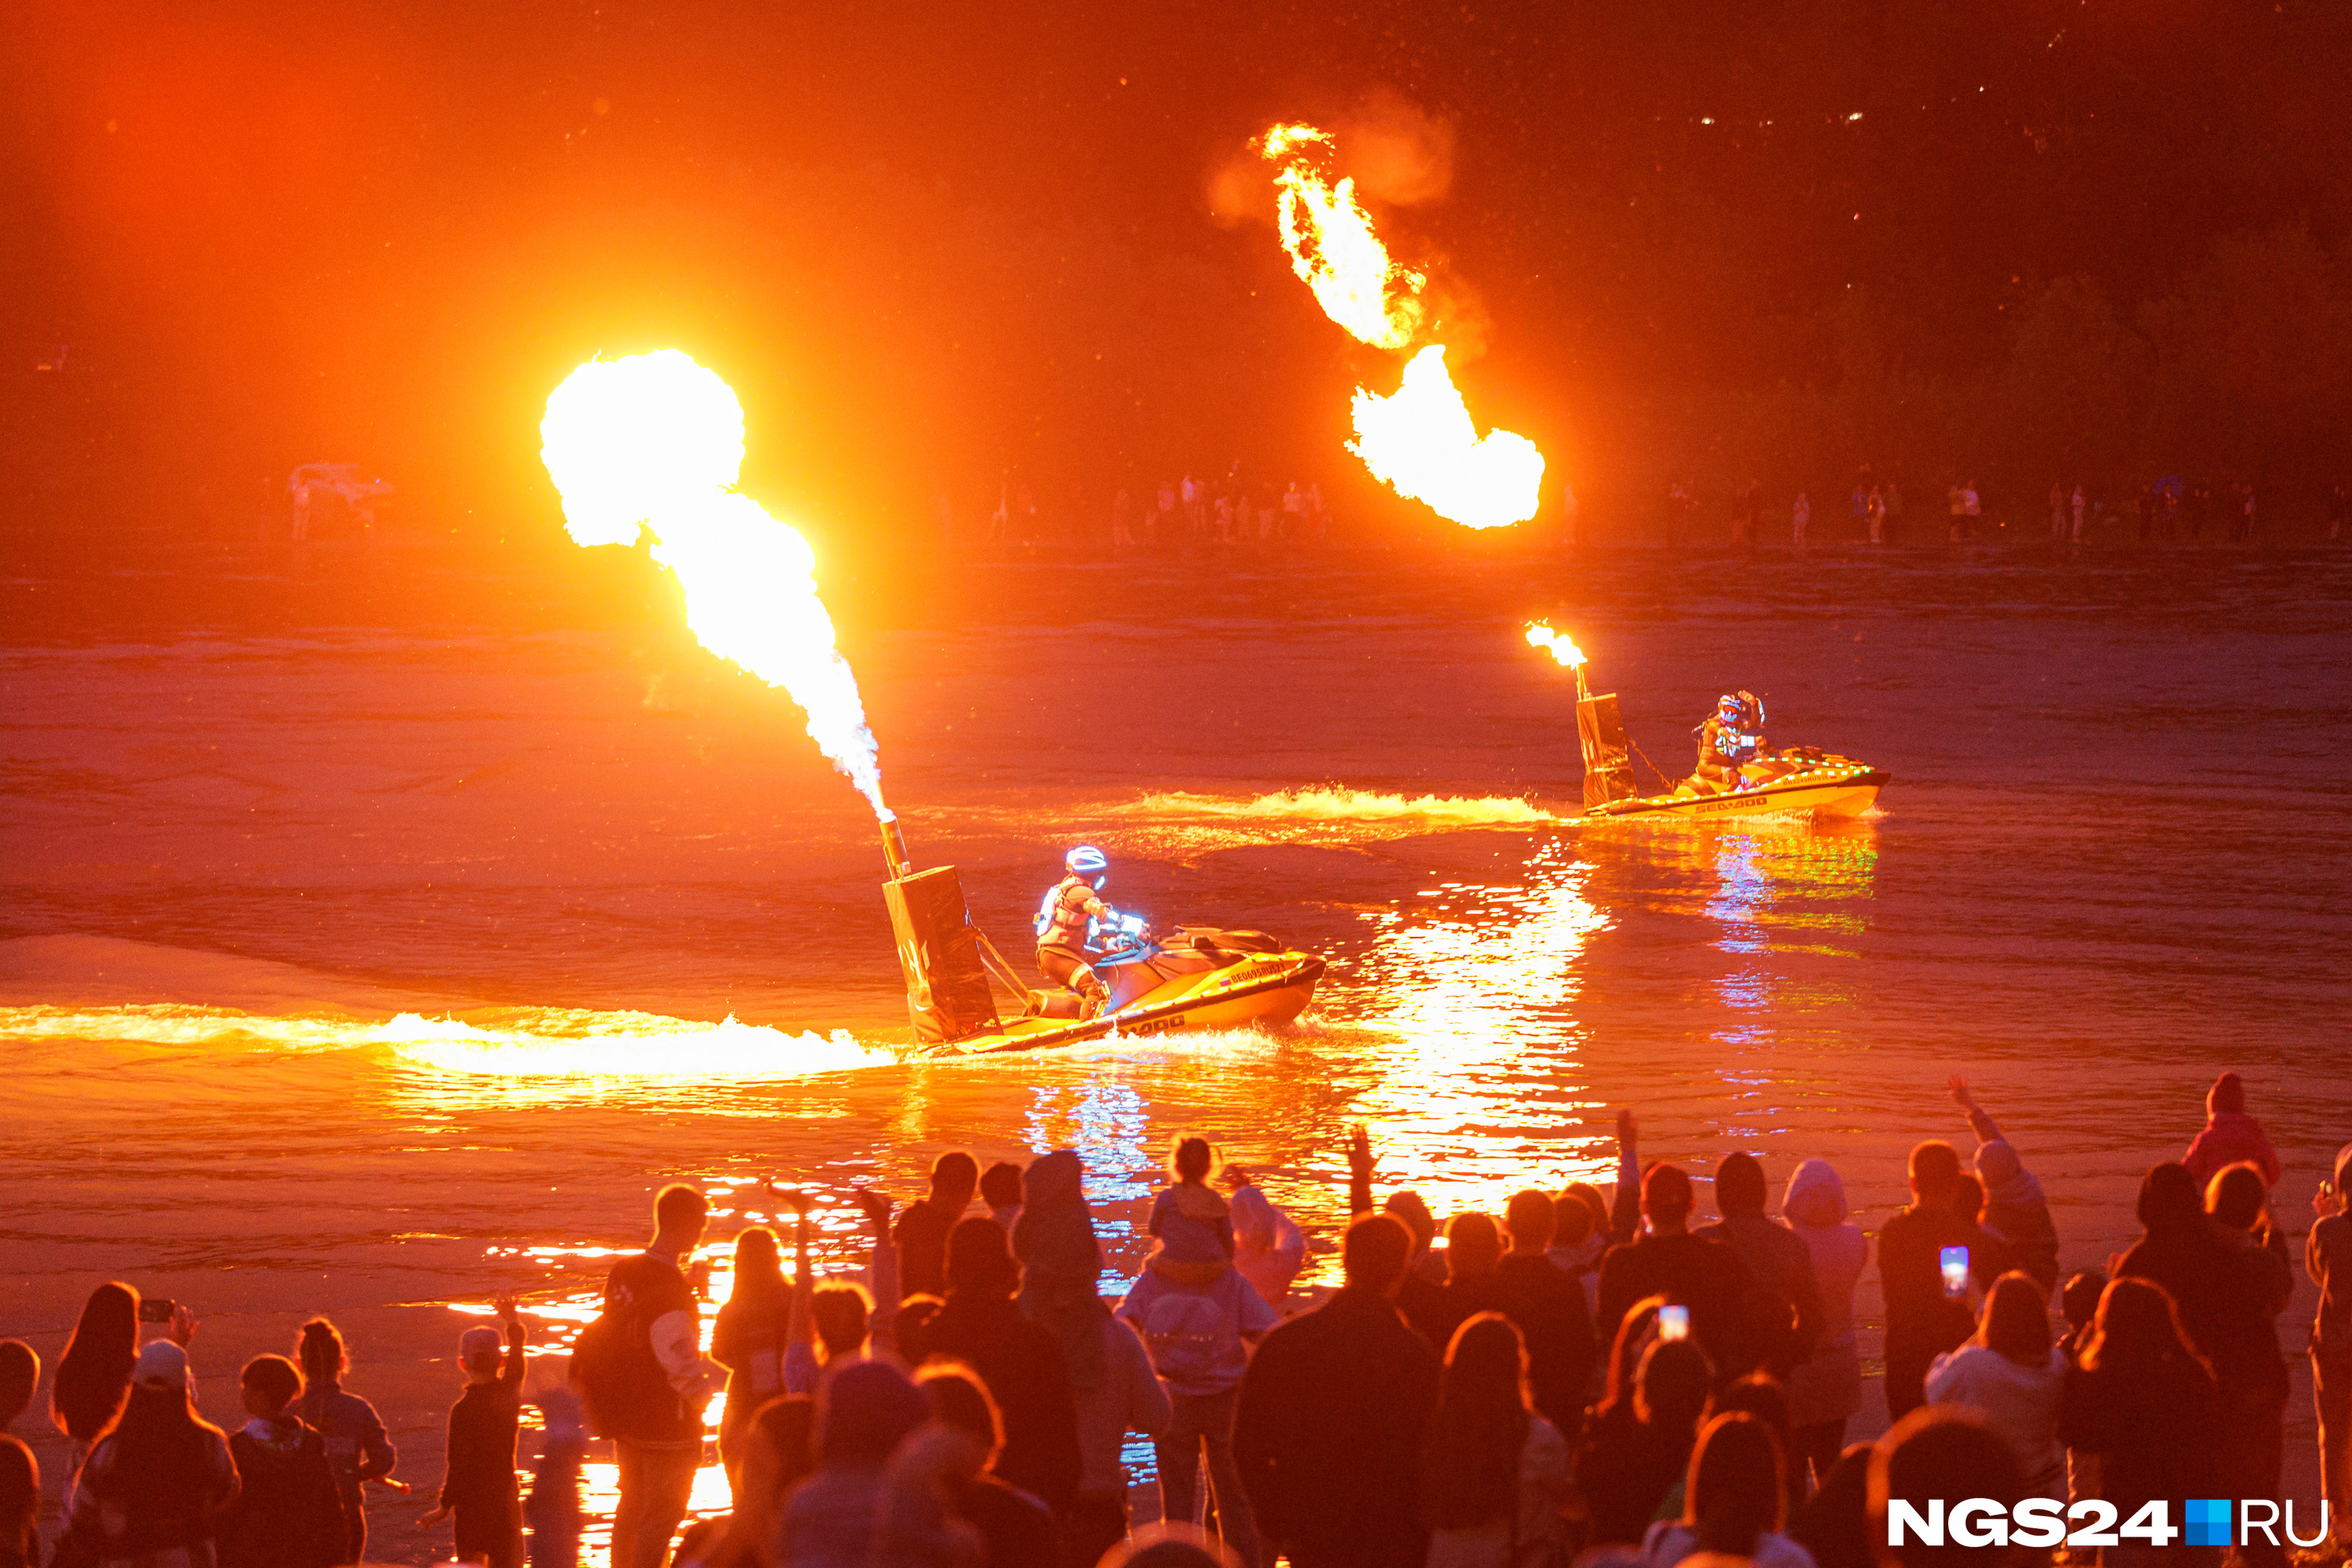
(1797, 782)
(1197, 978)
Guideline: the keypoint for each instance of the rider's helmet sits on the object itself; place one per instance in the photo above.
(1088, 861)
(1727, 708)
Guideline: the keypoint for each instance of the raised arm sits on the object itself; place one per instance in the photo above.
(512, 1370)
(1360, 1171)
(1986, 1130)
(1625, 1204)
(881, 1271)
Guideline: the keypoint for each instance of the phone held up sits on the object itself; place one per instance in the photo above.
(156, 1309)
(1956, 1271)
(1674, 1324)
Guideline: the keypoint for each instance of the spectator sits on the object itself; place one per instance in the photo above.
(757, 1325)
(1636, 1451)
(1785, 1300)
(1699, 1272)
(1834, 1524)
(2213, 1284)
(1922, 1321)
(1017, 1529)
(1019, 1359)
(1825, 1388)
(2078, 503)
(1759, 1395)
(1332, 1412)
(847, 1321)
(641, 1375)
(1194, 1311)
(1268, 1246)
(20, 1505)
(1940, 1454)
(1424, 1271)
(1580, 1237)
(94, 1373)
(1111, 1383)
(863, 1412)
(922, 1231)
(2014, 1208)
(2012, 1374)
(1000, 1189)
(1800, 516)
(158, 1477)
(2327, 1258)
(20, 1377)
(1189, 1197)
(553, 1509)
(358, 1448)
(1493, 1471)
(2080, 1302)
(2143, 1400)
(1547, 1305)
(1474, 1246)
(2230, 1135)
(2254, 1386)
(1735, 1501)
(478, 1482)
(287, 1514)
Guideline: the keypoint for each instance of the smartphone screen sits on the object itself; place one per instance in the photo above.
(1674, 1324)
(155, 1309)
(1956, 1271)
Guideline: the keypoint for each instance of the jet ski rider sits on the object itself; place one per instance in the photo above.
(1074, 924)
(1732, 735)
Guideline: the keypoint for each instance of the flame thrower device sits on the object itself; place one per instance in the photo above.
(947, 962)
(1608, 767)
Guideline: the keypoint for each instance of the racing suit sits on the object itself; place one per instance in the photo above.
(1722, 748)
(1066, 916)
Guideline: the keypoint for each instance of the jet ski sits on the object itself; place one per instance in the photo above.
(1797, 780)
(1197, 977)
(1794, 782)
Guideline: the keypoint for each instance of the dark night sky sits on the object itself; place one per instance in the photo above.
(927, 241)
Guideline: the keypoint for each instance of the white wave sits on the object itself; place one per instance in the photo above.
(559, 1042)
(1338, 803)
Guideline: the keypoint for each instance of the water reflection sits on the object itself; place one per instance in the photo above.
(1478, 983)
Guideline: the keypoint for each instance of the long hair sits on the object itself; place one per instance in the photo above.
(2137, 1333)
(86, 1391)
(2016, 1320)
(1633, 1336)
(319, 1353)
(1470, 1464)
(156, 1450)
(1734, 1493)
(758, 1270)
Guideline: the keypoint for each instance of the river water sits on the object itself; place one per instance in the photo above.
(371, 969)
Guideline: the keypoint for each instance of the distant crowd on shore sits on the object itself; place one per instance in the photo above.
(1586, 1378)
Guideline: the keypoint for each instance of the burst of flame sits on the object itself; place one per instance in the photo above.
(1421, 441)
(1332, 247)
(656, 439)
(1540, 635)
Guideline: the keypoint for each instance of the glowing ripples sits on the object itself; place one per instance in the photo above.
(1465, 981)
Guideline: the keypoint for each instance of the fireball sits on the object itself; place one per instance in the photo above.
(656, 440)
(1564, 649)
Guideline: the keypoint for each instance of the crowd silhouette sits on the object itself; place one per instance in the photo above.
(1589, 1378)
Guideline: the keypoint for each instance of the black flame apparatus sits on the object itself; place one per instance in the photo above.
(1608, 767)
(947, 962)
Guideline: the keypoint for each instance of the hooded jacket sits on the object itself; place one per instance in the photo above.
(1268, 1246)
(2230, 1135)
(2220, 1291)
(2016, 1211)
(1060, 1260)
(1827, 1385)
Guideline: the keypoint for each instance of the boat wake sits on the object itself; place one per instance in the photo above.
(1338, 804)
(503, 1043)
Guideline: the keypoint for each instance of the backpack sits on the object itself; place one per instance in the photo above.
(620, 1382)
(1194, 1342)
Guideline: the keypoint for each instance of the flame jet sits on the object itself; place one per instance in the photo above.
(656, 440)
(1419, 440)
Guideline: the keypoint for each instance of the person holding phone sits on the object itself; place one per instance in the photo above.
(1924, 1320)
